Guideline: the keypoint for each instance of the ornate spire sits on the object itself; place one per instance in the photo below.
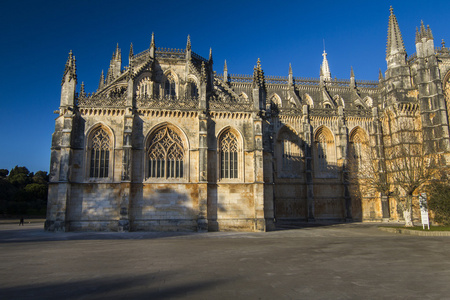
(131, 51)
(258, 75)
(352, 74)
(210, 60)
(325, 67)
(70, 68)
(82, 92)
(152, 43)
(394, 40)
(102, 81)
(203, 72)
(443, 43)
(225, 68)
(429, 33)
(290, 69)
(423, 33)
(188, 44)
(380, 75)
(118, 54)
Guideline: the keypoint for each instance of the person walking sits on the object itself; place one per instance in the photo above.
(21, 221)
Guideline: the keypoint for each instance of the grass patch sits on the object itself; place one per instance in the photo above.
(420, 228)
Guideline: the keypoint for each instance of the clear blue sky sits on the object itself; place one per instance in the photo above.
(37, 36)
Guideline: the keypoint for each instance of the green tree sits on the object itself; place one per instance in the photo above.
(439, 201)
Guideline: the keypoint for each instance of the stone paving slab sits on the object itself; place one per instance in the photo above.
(345, 261)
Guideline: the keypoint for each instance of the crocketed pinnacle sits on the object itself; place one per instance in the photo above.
(225, 68)
(70, 68)
(118, 54)
(82, 91)
(102, 81)
(188, 43)
(290, 69)
(258, 75)
(352, 74)
(210, 56)
(131, 51)
(325, 67)
(203, 72)
(394, 38)
(152, 43)
(423, 33)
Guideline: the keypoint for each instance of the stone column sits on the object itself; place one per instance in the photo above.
(260, 222)
(308, 164)
(202, 220)
(124, 223)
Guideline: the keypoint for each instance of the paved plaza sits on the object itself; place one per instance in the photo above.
(341, 261)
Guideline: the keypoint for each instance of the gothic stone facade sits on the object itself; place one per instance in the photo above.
(166, 143)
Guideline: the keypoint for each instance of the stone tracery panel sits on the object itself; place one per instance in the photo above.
(165, 155)
(100, 145)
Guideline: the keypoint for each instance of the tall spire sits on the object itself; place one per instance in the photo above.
(325, 67)
(394, 39)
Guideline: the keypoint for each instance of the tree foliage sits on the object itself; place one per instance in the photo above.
(22, 192)
(439, 201)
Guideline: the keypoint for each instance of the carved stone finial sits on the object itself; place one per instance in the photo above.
(443, 43)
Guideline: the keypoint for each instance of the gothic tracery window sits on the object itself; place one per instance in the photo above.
(322, 153)
(191, 90)
(169, 86)
(100, 149)
(325, 152)
(144, 87)
(165, 155)
(358, 149)
(291, 155)
(228, 148)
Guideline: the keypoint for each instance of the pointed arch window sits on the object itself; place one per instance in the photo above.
(192, 90)
(100, 154)
(144, 88)
(324, 153)
(291, 155)
(228, 147)
(358, 149)
(169, 86)
(165, 155)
